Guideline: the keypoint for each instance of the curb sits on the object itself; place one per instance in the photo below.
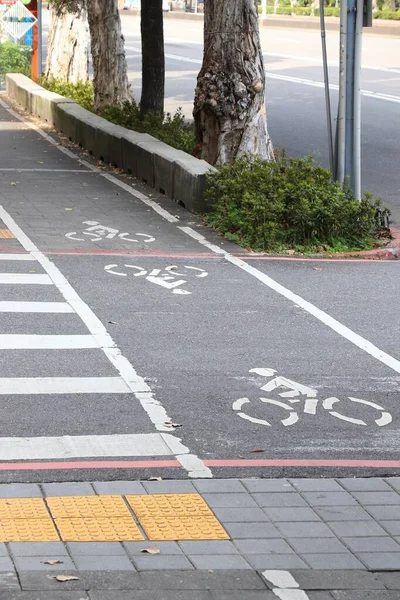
(389, 252)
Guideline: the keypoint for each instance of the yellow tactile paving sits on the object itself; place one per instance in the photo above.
(176, 517)
(28, 530)
(6, 234)
(110, 529)
(23, 508)
(88, 507)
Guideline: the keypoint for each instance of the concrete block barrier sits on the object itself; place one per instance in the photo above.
(178, 175)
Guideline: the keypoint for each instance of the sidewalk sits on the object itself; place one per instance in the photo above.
(202, 540)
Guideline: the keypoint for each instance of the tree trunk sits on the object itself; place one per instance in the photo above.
(153, 62)
(110, 69)
(229, 107)
(68, 43)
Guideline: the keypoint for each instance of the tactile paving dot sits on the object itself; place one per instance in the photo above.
(28, 530)
(183, 528)
(179, 505)
(110, 529)
(88, 507)
(23, 508)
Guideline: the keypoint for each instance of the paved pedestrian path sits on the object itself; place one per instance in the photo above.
(331, 539)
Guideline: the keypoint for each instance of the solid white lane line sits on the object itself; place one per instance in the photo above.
(89, 446)
(319, 314)
(286, 587)
(35, 307)
(63, 385)
(25, 279)
(46, 342)
(46, 170)
(135, 382)
(16, 257)
(330, 63)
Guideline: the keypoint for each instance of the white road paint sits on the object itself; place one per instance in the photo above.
(97, 232)
(297, 300)
(25, 279)
(63, 385)
(22, 257)
(167, 279)
(90, 446)
(330, 63)
(46, 170)
(15, 341)
(35, 307)
(286, 587)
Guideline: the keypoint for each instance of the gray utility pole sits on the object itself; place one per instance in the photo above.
(353, 15)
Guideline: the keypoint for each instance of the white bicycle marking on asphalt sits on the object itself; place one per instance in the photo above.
(96, 232)
(310, 402)
(167, 279)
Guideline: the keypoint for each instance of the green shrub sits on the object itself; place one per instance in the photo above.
(288, 203)
(391, 15)
(304, 11)
(171, 129)
(284, 10)
(330, 11)
(15, 58)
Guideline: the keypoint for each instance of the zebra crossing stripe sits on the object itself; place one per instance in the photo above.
(63, 385)
(25, 279)
(46, 342)
(35, 307)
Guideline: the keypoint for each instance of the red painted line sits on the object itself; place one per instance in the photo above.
(294, 462)
(112, 464)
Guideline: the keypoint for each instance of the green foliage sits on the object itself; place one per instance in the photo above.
(304, 11)
(15, 58)
(329, 11)
(288, 203)
(171, 129)
(283, 10)
(391, 15)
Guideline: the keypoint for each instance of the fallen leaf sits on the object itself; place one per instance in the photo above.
(155, 478)
(68, 209)
(40, 162)
(257, 450)
(291, 252)
(65, 578)
(171, 424)
(113, 322)
(151, 550)
(317, 268)
(53, 562)
(13, 183)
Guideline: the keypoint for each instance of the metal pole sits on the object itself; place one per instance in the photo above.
(40, 37)
(327, 93)
(341, 126)
(357, 102)
(351, 33)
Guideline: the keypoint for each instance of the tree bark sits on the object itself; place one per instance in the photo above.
(229, 106)
(153, 61)
(68, 42)
(110, 69)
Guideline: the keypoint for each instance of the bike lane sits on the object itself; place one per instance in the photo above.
(196, 325)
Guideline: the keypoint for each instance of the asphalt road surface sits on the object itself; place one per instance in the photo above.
(219, 362)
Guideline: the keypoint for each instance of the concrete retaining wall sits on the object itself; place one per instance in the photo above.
(172, 172)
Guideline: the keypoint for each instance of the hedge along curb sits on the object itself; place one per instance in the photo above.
(173, 172)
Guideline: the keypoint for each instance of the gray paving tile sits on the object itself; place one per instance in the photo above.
(394, 482)
(319, 596)
(219, 486)
(380, 561)
(99, 562)
(169, 487)
(337, 580)
(250, 595)
(364, 484)
(275, 561)
(231, 500)
(292, 514)
(371, 544)
(209, 547)
(38, 563)
(240, 515)
(278, 499)
(20, 490)
(302, 530)
(136, 548)
(333, 561)
(3, 550)
(246, 579)
(267, 485)
(384, 513)
(392, 527)
(252, 530)
(96, 548)
(317, 545)
(9, 581)
(67, 489)
(390, 580)
(357, 529)
(364, 595)
(219, 561)
(379, 498)
(330, 499)
(147, 562)
(109, 488)
(259, 546)
(316, 485)
(153, 595)
(343, 513)
(11, 595)
(105, 580)
(37, 549)
(6, 564)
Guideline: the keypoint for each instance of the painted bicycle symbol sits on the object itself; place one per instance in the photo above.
(96, 232)
(296, 393)
(166, 277)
